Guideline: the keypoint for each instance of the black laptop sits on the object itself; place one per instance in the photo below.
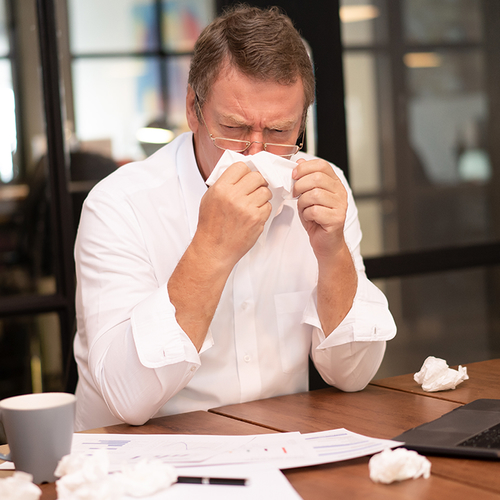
(470, 431)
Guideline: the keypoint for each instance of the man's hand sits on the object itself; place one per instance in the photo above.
(233, 213)
(322, 205)
(232, 216)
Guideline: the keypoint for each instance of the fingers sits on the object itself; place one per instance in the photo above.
(244, 182)
(314, 173)
(233, 212)
(322, 198)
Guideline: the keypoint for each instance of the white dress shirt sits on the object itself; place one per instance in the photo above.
(134, 360)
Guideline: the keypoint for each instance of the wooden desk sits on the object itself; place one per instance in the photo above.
(484, 382)
(198, 422)
(377, 412)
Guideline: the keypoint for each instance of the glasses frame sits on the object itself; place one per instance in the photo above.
(248, 143)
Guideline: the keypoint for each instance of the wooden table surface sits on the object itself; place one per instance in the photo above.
(377, 412)
(197, 422)
(384, 409)
(483, 382)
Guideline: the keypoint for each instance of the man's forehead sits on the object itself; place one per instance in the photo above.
(241, 82)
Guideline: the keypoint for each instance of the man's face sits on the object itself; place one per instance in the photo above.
(242, 108)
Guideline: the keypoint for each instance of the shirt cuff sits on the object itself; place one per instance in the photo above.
(368, 320)
(158, 338)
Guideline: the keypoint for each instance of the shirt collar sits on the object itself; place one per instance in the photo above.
(192, 184)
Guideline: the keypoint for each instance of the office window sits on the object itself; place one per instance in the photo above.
(130, 66)
(8, 132)
(428, 21)
(4, 37)
(419, 84)
(115, 97)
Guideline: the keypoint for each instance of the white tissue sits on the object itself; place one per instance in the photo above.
(147, 477)
(435, 375)
(277, 172)
(19, 486)
(87, 478)
(398, 465)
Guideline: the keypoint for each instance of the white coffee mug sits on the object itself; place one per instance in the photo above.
(39, 430)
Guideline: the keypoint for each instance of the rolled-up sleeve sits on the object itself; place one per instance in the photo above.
(130, 348)
(349, 357)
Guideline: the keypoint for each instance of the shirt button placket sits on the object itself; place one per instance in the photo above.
(246, 333)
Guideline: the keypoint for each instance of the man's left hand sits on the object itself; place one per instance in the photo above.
(322, 205)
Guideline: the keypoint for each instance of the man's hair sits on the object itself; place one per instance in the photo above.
(262, 44)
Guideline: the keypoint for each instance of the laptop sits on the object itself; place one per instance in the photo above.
(469, 431)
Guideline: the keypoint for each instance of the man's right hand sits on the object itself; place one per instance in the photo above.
(232, 214)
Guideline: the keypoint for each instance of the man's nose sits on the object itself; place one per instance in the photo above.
(257, 143)
(255, 147)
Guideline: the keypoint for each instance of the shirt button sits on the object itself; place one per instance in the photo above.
(245, 305)
(246, 358)
(193, 368)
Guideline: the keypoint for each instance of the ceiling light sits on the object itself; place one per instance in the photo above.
(355, 13)
(422, 60)
(153, 135)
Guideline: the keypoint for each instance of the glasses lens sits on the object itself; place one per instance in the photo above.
(281, 149)
(232, 144)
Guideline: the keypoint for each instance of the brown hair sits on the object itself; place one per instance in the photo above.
(262, 44)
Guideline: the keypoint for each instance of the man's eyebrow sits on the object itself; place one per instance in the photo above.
(233, 119)
(278, 125)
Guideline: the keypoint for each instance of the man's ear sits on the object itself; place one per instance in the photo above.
(191, 115)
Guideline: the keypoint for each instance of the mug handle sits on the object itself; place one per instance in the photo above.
(7, 458)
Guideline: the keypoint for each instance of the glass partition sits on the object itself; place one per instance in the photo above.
(130, 65)
(97, 27)
(446, 315)
(420, 88)
(183, 21)
(114, 98)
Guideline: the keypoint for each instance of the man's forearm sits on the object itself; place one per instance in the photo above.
(337, 284)
(195, 288)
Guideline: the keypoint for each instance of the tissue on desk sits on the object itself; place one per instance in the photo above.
(147, 477)
(398, 465)
(19, 486)
(435, 375)
(87, 478)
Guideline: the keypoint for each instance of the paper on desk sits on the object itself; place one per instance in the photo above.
(87, 477)
(264, 483)
(340, 444)
(282, 450)
(190, 450)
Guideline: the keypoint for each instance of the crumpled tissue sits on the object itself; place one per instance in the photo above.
(435, 375)
(19, 486)
(277, 172)
(87, 478)
(398, 465)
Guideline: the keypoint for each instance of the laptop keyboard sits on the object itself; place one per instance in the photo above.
(490, 438)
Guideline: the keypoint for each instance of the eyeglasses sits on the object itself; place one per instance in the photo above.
(285, 150)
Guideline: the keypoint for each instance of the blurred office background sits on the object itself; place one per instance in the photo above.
(408, 104)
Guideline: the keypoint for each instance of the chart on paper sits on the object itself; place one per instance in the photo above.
(282, 450)
(184, 450)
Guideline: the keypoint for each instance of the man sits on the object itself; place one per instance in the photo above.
(180, 306)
